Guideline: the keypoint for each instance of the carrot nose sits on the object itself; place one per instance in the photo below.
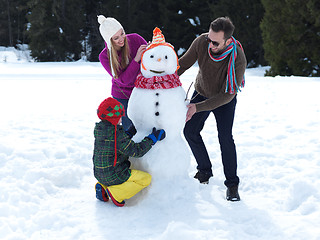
(159, 59)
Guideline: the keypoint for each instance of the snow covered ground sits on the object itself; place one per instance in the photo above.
(48, 112)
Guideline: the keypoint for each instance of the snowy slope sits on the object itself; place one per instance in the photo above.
(48, 111)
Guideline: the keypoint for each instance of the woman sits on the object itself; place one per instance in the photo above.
(121, 58)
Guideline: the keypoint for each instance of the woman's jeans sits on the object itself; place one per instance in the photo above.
(126, 122)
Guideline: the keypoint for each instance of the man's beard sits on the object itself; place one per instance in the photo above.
(218, 52)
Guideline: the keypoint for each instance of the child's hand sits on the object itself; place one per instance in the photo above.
(131, 131)
(157, 135)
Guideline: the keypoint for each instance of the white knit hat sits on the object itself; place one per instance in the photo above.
(108, 27)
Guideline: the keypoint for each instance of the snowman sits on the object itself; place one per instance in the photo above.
(158, 100)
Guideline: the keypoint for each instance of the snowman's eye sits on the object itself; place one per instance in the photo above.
(151, 56)
(166, 57)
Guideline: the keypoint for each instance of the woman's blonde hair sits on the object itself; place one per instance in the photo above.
(125, 57)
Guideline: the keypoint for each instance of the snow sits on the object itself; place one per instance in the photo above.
(11, 54)
(48, 112)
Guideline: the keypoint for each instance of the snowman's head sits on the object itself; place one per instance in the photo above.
(159, 59)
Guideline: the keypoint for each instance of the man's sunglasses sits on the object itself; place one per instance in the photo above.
(214, 43)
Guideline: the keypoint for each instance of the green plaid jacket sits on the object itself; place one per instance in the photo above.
(104, 153)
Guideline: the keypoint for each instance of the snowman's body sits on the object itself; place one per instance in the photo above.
(154, 106)
(151, 108)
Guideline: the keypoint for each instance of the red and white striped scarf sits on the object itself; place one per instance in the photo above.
(158, 82)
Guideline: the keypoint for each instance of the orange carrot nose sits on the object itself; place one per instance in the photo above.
(159, 59)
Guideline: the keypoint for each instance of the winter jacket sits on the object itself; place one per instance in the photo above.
(104, 153)
(127, 77)
(211, 79)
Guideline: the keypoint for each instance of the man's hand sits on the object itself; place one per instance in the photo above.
(191, 110)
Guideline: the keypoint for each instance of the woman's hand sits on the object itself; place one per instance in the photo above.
(141, 49)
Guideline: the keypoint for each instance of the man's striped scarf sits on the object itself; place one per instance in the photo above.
(231, 83)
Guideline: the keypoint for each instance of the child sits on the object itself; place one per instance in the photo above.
(112, 148)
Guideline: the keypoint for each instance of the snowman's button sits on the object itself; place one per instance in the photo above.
(157, 103)
(157, 94)
(157, 113)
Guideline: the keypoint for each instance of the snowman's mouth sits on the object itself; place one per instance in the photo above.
(157, 72)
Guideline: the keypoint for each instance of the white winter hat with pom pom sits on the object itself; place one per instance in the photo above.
(108, 27)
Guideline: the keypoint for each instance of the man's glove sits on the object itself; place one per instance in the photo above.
(157, 135)
(131, 131)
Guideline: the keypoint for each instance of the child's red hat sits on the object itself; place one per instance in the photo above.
(111, 110)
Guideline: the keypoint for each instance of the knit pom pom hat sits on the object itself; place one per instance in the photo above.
(108, 27)
(158, 39)
(111, 110)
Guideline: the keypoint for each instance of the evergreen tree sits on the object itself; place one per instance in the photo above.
(291, 34)
(13, 22)
(93, 43)
(56, 29)
(183, 21)
(71, 21)
(199, 15)
(143, 20)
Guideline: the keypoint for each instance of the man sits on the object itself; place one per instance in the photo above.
(222, 64)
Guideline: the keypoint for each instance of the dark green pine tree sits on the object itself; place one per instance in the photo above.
(314, 10)
(71, 21)
(42, 31)
(246, 15)
(183, 21)
(13, 22)
(142, 17)
(304, 60)
(171, 20)
(93, 43)
(56, 29)
(291, 34)
(273, 34)
(199, 16)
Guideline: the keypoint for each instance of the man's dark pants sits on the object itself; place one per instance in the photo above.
(224, 116)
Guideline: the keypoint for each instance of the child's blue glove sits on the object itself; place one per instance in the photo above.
(157, 135)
